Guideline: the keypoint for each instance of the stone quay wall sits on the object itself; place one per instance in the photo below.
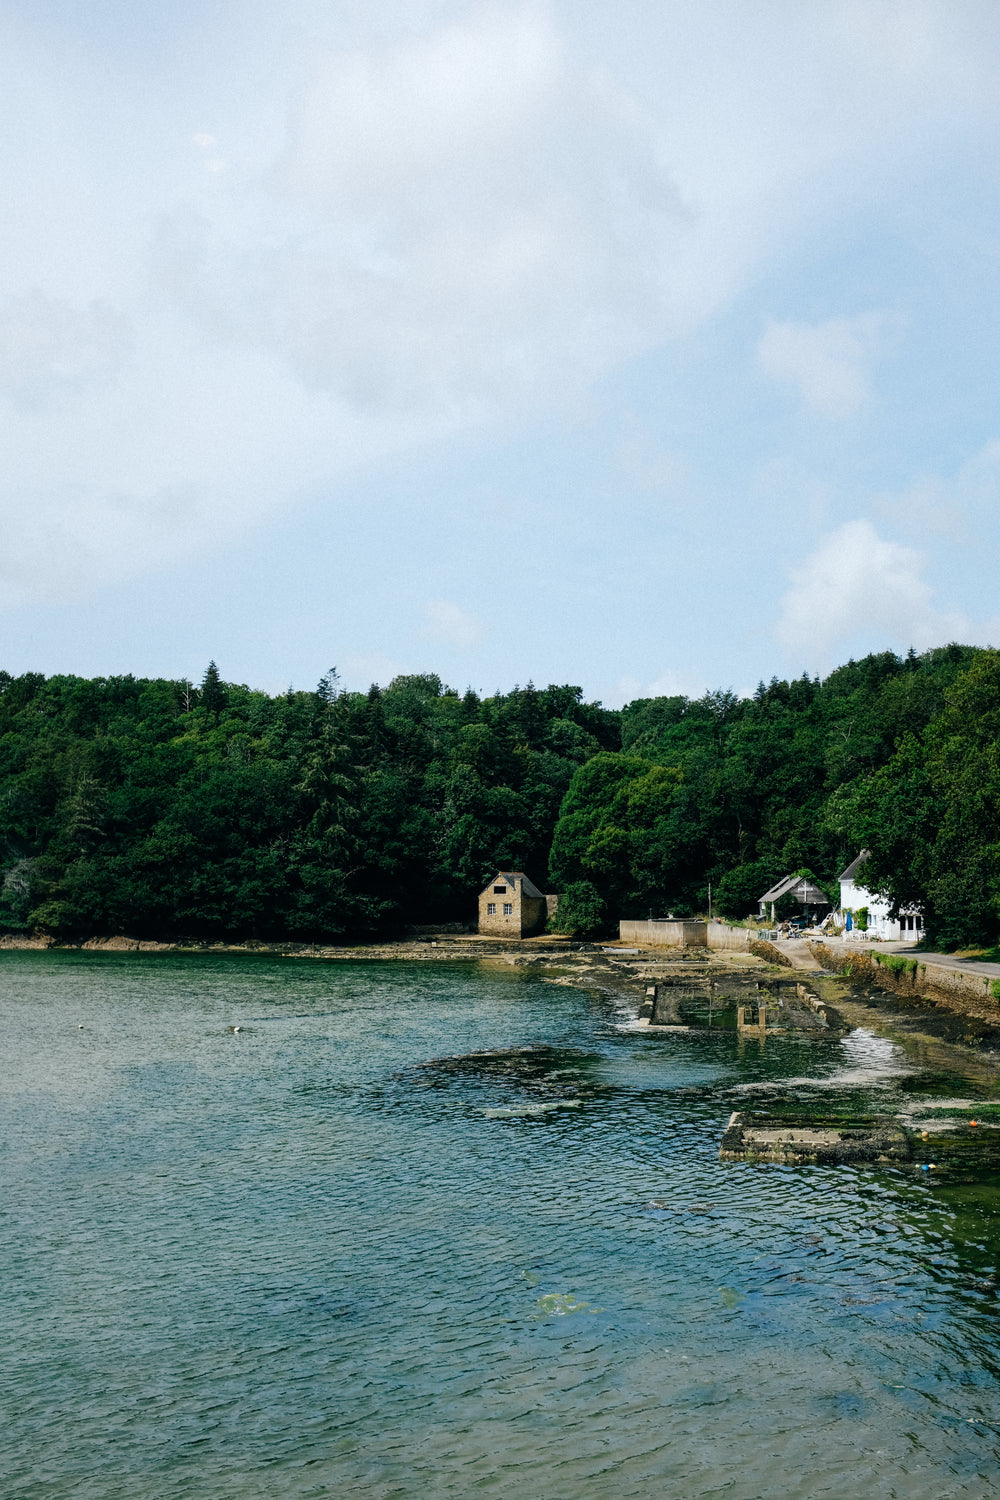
(722, 936)
(957, 989)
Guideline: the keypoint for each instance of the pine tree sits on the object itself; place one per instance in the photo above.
(328, 687)
(213, 693)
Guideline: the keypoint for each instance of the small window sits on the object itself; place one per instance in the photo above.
(508, 908)
(499, 890)
(491, 908)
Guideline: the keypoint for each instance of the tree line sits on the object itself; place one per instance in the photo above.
(163, 809)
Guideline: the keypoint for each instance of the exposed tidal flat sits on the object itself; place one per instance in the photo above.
(451, 1229)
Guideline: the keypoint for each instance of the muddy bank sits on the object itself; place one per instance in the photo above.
(769, 953)
(443, 946)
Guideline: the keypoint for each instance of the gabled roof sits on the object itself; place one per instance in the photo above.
(528, 888)
(851, 873)
(779, 888)
(803, 890)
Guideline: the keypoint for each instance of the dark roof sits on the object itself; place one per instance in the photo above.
(851, 873)
(528, 887)
(803, 890)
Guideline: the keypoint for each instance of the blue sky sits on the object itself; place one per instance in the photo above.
(651, 349)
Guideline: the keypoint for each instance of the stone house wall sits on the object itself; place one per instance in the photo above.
(527, 915)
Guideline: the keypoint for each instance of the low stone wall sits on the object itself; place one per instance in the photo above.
(697, 934)
(673, 934)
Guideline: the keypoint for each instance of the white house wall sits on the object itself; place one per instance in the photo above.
(880, 924)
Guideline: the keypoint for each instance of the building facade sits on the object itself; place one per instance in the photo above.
(856, 899)
(512, 906)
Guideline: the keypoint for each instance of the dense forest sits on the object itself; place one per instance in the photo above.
(163, 809)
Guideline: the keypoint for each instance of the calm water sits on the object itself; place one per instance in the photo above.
(334, 1254)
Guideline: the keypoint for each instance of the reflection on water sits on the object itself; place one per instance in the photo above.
(863, 1060)
(439, 1232)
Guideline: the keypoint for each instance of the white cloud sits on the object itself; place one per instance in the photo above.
(646, 466)
(951, 506)
(57, 540)
(830, 363)
(209, 148)
(49, 348)
(670, 683)
(435, 218)
(856, 591)
(359, 670)
(393, 116)
(451, 625)
(460, 224)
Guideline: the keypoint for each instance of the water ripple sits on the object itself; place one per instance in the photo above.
(416, 1232)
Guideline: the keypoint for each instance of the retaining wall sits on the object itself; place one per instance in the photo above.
(956, 988)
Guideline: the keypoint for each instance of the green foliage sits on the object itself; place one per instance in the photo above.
(154, 808)
(795, 780)
(931, 813)
(213, 693)
(739, 891)
(896, 963)
(161, 809)
(582, 911)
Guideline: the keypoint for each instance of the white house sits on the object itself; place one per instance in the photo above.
(854, 898)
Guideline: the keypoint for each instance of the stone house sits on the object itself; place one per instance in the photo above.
(855, 897)
(512, 906)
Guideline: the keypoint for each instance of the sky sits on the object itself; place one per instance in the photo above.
(650, 348)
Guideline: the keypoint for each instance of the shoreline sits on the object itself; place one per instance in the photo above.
(623, 974)
(616, 971)
(444, 945)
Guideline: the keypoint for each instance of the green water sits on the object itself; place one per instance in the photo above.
(368, 1246)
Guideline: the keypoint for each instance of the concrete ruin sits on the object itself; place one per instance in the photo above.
(958, 1140)
(764, 1005)
(753, 1136)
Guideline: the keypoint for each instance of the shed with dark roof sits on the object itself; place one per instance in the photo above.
(799, 888)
